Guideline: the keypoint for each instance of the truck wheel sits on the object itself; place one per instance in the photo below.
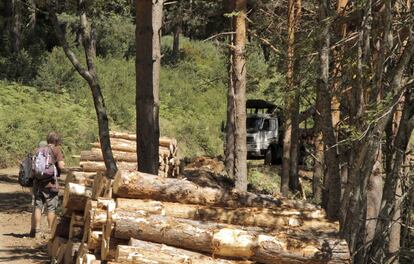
(268, 158)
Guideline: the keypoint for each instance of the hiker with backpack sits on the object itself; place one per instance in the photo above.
(47, 163)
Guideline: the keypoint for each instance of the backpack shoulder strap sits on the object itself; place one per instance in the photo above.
(52, 153)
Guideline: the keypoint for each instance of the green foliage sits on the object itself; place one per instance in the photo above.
(27, 115)
(18, 67)
(115, 36)
(193, 97)
(56, 73)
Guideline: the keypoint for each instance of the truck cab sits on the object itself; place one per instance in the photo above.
(263, 131)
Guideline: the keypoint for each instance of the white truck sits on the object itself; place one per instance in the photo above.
(264, 134)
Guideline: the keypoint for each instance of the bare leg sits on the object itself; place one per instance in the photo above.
(36, 217)
(50, 218)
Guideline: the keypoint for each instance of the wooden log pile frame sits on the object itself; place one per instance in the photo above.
(143, 218)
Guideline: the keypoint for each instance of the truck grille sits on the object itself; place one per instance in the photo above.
(250, 139)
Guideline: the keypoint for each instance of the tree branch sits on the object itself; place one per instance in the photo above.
(69, 53)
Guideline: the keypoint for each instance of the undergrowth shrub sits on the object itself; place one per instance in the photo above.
(27, 115)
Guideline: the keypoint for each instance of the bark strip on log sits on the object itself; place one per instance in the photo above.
(142, 252)
(261, 217)
(134, 184)
(292, 246)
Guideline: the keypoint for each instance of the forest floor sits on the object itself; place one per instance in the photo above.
(15, 213)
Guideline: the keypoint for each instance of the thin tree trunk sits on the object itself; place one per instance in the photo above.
(239, 87)
(294, 144)
(229, 147)
(176, 42)
(90, 75)
(318, 169)
(148, 63)
(16, 25)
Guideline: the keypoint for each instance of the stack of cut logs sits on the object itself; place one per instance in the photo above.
(124, 151)
(143, 218)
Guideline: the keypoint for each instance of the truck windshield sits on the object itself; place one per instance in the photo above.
(253, 123)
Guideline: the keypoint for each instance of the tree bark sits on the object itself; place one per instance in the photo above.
(228, 241)
(133, 184)
(148, 63)
(239, 91)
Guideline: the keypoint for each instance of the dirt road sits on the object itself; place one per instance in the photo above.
(15, 211)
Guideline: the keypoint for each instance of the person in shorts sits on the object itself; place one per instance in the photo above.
(45, 193)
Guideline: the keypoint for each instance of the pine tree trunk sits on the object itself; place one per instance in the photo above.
(148, 63)
(239, 88)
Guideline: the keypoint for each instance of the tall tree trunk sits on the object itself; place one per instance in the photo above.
(238, 90)
(176, 41)
(91, 76)
(387, 234)
(32, 11)
(295, 88)
(229, 147)
(331, 159)
(16, 25)
(148, 63)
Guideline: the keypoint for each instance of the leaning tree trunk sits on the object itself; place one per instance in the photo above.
(91, 76)
(239, 90)
(148, 63)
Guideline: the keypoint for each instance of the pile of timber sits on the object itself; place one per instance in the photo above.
(143, 218)
(124, 150)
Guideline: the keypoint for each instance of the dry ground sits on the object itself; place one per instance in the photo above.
(15, 211)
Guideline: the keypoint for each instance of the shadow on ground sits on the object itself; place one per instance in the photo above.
(37, 254)
(16, 202)
(6, 178)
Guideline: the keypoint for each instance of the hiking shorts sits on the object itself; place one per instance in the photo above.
(44, 197)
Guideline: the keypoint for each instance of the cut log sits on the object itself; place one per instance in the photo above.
(76, 226)
(109, 246)
(94, 239)
(99, 166)
(99, 187)
(58, 245)
(262, 217)
(80, 177)
(88, 259)
(143, 252)
(96, 212)
(75, 197)
(60, 227)
(288, 246)
(93, 155)
(123, 135)
(119, 145)
(134, 184)
(70, 252)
